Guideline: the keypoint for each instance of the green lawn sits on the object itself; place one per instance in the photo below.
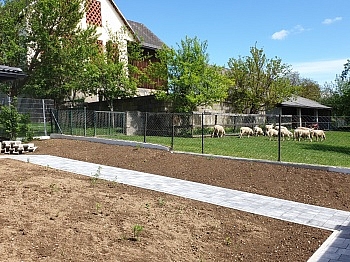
(334, 151)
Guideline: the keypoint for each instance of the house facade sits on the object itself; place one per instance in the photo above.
(106, 16)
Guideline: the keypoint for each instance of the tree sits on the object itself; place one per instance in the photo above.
(259, 83)
(305, 87)
(337, 95)
(188, 79)
(112, 75)
(50, 44)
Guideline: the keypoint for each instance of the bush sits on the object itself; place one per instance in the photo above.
(13, 123)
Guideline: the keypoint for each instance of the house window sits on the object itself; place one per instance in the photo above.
(93, 15)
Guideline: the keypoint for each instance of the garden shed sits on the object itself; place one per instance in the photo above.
(306, 112)
(8, 73)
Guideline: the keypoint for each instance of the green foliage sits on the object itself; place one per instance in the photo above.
(95, 177)
(45, 41)
(109, 74)
(259, 83)
(337, 95)
(305, 87)
(136, 230)
(13, 123)
(189, 80)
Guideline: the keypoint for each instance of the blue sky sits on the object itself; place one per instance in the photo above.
(313, 36)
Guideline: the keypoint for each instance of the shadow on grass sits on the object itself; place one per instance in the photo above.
(329, 148)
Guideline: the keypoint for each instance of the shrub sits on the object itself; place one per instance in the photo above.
(13, 123)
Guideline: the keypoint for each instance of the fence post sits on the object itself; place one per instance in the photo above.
(71, 121)
(145, 128)
(84, 120)
(51, 122)
(172, 132)
(202, 133)
(95, 123)
(279, 137)
(44, 115)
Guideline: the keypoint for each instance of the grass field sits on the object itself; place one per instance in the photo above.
(334, 151)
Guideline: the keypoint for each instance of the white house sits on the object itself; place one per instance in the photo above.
(107, 17)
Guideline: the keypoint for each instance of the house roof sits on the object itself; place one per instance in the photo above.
(10, 73)
(123, 18)
(146, 36)
(303, 102)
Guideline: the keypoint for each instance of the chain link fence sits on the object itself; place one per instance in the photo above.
(193, 133)
(39, 111)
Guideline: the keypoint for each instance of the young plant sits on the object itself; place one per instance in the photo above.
(98, 208)
(96, 176)
(54, 188)
(136, 230)
(161, 201)
(228, 241)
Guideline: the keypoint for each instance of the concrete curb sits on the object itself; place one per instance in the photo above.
(343, 170)
(111, 141)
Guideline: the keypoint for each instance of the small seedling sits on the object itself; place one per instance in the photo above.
(147, 205)
(96, 176)
(136, 230)
(54, 187)
(228, 241)
(98, 208)
(161, 201)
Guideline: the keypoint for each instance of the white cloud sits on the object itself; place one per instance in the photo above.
(280, 35)
(320, 71)
(329, 21)
(298, 29)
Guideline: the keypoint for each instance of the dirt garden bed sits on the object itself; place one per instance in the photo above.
(50, 215)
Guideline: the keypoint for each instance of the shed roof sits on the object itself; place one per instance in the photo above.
(146, 36)
(10, 73)
(303, 102)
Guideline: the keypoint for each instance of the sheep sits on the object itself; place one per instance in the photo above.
(272, 133)
(286, 133)
(303, 133)
(267, 128)
(245, 131)
(282, 127)
(218, 131)
(319, 134)
(258, 131)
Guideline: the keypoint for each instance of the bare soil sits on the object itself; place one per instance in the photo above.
(50, 215)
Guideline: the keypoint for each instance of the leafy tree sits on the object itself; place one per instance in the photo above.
(51, 46)
(188, 79)
(330, 96)
(260, 83)
(337, 95)
(112, 75)
(306, 87)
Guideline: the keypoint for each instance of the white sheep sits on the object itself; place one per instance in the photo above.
(244, 130)
(303, 133)
(258, 131)
(319, 134)
(285, 133)
(282, 127)
(267, 128)
(218, 131)
(271, 133)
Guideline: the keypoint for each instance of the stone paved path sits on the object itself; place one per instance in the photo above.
(336, 248)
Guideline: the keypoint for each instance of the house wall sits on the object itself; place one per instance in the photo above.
(142, 103)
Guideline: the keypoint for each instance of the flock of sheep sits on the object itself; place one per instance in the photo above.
(272, 132)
